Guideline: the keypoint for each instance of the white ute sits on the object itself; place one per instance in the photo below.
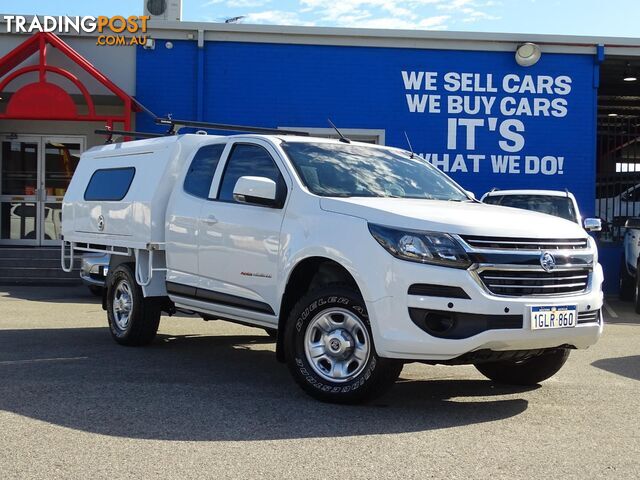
(361, 257)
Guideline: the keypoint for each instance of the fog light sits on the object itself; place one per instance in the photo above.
(439, 323)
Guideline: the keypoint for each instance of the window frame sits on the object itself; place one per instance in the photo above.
(354, 134)
(224, 165)
(84, 196)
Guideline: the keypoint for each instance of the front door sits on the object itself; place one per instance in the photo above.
(35, 172)
(239, 243)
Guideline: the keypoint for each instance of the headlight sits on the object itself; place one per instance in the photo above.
(423, 247)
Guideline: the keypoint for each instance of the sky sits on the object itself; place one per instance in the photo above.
(569, 17)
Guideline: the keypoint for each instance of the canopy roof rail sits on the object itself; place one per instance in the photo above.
(126, 133)
(175, 125)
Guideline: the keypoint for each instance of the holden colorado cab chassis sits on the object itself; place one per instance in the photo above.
(361, 258)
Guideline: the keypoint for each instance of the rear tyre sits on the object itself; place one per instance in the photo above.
(627, 282)
(330, 351)
(526, 372)
(133, 319)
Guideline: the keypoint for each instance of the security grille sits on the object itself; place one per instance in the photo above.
(618, 164)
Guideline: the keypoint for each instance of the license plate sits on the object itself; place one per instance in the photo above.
(105, 270)
(543, 318)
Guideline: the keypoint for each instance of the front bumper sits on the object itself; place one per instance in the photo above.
(92, 281)
(397, 336)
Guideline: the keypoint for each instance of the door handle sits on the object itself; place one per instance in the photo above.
(210, 220)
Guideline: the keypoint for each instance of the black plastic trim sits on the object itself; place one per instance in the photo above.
(432, 290)
(219, 298)
(463, 325)
(490, 356)
(182, 290)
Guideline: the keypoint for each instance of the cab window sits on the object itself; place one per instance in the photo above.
(250, 160)
(198, 180)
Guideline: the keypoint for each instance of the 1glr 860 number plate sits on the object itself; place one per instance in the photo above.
(543, 318)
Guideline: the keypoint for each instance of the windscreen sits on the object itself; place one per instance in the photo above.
(344, 170)
(557, 206)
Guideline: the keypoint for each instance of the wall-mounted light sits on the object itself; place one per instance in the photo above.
(612, 115)
(528, 54)
(149, 44)
(628, 74)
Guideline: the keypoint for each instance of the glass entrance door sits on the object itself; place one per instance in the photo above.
(60, 157)
(34, 175)
(19, 183)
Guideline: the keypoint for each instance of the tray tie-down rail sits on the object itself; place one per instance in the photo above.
(143, 256)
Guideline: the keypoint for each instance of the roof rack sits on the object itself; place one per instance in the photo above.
(175, 125)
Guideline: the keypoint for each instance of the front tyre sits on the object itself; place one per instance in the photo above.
(525, 372)
(330, 350)
(133, 319)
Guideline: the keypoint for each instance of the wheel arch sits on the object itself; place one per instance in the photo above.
(309, 273)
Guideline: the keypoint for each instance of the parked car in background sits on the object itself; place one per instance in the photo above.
(621, 206)
(93, 271)
(552, 202)
(629, 278)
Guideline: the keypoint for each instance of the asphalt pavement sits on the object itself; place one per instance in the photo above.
(209, 400)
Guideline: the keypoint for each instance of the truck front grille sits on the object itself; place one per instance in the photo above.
(523, 283)
(504, 243)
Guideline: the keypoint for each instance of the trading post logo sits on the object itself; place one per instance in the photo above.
(116, 30)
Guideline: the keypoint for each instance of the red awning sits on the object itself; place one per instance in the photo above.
(43, 100)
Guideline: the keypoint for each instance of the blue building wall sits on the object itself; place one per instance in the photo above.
(489, 144)
(365, 87)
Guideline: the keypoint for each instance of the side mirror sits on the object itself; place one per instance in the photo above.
(471, 194)
(633, 222)
(255, 190)
(592, 224)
